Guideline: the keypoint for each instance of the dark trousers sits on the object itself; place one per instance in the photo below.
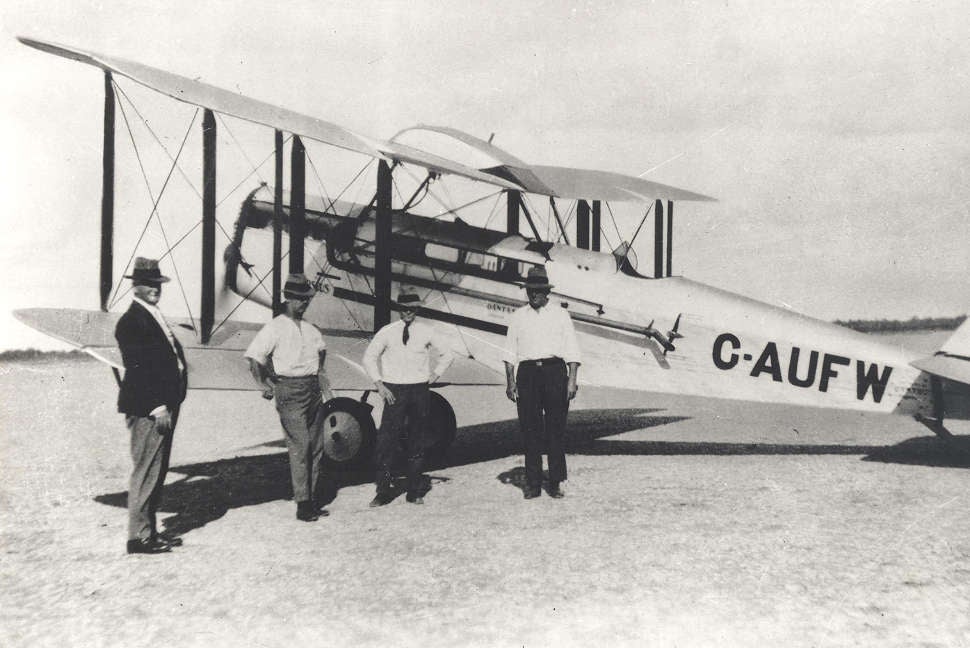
(411, 403)
(299, 406)
(542, 405)
(150, 452)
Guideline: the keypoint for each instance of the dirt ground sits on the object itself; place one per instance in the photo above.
(686, 523)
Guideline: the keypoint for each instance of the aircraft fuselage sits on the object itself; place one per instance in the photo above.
(725, 345)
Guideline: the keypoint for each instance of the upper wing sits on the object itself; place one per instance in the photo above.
(218, 99)
(563, 182)
(511, 172)
(230, 103)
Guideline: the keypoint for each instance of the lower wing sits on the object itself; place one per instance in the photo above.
(220, 364)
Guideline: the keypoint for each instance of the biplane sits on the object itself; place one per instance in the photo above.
(639, 329)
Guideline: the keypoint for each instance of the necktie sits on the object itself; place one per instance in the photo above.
(406, 335)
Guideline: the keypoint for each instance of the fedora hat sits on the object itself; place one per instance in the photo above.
(298, 286)
(537, 279)
(146, 271)
(409, 299)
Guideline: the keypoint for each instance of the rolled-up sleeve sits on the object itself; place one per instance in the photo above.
(262, 345)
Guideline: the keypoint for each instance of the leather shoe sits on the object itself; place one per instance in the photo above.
(380, 500)
(164, 537)
(531, 493)
(555, 491)
(305, 511)
(139, 546)
(415, 499)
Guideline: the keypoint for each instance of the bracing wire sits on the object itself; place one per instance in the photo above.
(344, 190)
(155, 201)
(619, 237)
(643, 220)
(160, 193)
(158, 140)
(180, 170)
(243, 151)
(242, 301)
(494, 210)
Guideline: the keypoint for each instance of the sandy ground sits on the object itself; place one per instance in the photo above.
(686, 523)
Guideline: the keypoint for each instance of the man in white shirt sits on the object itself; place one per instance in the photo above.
(402, 379)
(541, 341)
(297, 380)
(150, 395)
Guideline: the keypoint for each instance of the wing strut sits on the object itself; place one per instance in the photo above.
(422, 187)
(532, 223)
(562, 228)
(582, 225)
(658, 240)
(670, 236)
(297, 203)
(278, 225)
(207, 311)
(382, 248)
(595, 227)
(107, 192)
(512, 200)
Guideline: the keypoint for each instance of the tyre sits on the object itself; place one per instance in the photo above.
(348, 434)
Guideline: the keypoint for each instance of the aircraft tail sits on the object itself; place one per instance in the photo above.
(952, 361)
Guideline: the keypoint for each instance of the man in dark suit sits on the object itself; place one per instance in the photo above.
(151, 392)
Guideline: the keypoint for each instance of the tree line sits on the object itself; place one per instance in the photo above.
(899, 326)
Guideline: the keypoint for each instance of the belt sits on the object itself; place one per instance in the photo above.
(542, 361)
(307, 377)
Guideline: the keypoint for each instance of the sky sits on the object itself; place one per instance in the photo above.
(834, 135)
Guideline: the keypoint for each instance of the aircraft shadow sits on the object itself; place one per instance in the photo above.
(925, 451)
(210, 489)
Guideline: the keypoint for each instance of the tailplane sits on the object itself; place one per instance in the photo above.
(952, 361)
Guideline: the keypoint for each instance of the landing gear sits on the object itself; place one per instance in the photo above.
(935, 423)
(348, 434)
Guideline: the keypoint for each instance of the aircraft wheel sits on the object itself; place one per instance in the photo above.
(348, 434)
(443, 426)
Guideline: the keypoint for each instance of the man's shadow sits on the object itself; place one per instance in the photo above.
(209, 489)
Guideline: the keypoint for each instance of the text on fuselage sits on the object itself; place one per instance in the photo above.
(814, 369)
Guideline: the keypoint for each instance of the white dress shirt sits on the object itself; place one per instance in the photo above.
(405, 364)
(544, 333)
(294, 345)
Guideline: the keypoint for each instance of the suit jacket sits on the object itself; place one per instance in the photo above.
(152, 375)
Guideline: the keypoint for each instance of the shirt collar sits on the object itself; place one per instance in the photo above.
(149, 307)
